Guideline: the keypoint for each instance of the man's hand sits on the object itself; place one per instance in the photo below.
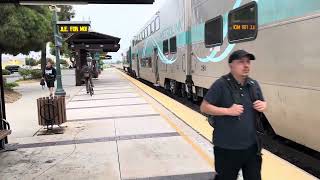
(260, 105)
(235, 110)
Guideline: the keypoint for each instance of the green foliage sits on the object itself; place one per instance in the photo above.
(64, 50)
(63, 62)
(38, 62)
(36, 74)
(25, 73)
(27, 28)
(31, 62)
(10, 86)
(5, 72)
(24, 28)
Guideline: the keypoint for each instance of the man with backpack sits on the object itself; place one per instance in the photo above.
(235, 103)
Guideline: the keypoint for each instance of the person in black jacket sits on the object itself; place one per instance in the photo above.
(234, 110)
(49, 75)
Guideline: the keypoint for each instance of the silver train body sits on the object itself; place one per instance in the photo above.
(170, 51)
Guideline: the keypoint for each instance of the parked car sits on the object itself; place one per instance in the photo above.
(12, 68)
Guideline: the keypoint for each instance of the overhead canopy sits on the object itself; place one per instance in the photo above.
(82, 1)
(93, 41)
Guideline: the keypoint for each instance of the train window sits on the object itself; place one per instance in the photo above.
(142, 62)
(173, 44)
(243, 23)
(152, 26)
(213, 32)
(157, 23)
(165, 46)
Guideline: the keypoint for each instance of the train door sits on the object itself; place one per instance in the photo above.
(129, 59)
(155, 65)
(138, 66)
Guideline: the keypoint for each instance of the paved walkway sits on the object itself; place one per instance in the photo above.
(119, 133)
(23, 115)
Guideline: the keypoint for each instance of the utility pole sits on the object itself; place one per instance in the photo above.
(58, 44)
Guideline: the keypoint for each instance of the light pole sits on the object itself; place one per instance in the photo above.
(58, 43)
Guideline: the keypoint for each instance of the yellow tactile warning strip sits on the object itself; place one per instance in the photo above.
(181, 133)
(273, 167)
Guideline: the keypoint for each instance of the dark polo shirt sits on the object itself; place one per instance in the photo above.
(233, 132)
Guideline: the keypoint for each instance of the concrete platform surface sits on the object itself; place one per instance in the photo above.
(118, 133)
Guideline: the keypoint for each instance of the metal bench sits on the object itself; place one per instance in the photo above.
(4, 132)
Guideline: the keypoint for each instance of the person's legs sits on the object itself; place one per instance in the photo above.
(91, 82)
(87, 85)
(227, 163)
(51, 91)
(50, 85)
(252, 168)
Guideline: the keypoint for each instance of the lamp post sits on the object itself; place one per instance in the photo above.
(58, 43)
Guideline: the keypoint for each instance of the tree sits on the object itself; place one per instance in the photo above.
(31, 62)
(23, 28)
(66, 14)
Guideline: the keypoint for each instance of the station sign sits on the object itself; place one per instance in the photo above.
(73, 28)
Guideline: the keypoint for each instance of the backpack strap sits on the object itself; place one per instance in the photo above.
(233, 88)
(254, 96)
(253, 93)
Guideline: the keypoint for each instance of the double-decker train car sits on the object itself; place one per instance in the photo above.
(185, 46)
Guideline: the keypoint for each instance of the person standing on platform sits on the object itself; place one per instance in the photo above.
(234, 102)
(49, 75)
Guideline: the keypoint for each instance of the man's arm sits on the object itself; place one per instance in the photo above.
(211, 101)
(234, 110)
(210, 109)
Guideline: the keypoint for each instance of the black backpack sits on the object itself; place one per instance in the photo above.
(254, 95)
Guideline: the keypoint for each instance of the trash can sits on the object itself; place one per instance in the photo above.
(51, 111)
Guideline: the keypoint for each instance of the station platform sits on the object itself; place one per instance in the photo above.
(126, 130)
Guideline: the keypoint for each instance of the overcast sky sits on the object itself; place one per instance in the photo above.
(122, 21)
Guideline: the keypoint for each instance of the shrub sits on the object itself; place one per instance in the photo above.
(63, 62)
(10, 86)
(5, 72)
(31, 62)
(36, 74)
(25, 73)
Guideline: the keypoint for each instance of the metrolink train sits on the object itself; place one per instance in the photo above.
(185, 46)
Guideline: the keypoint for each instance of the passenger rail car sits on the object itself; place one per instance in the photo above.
(185, 46)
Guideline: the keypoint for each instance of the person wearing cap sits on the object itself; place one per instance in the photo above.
(236, 145)
(87, 73)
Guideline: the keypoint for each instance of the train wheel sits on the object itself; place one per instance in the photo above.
(183, 90)
(167, 85)
(173, 87)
